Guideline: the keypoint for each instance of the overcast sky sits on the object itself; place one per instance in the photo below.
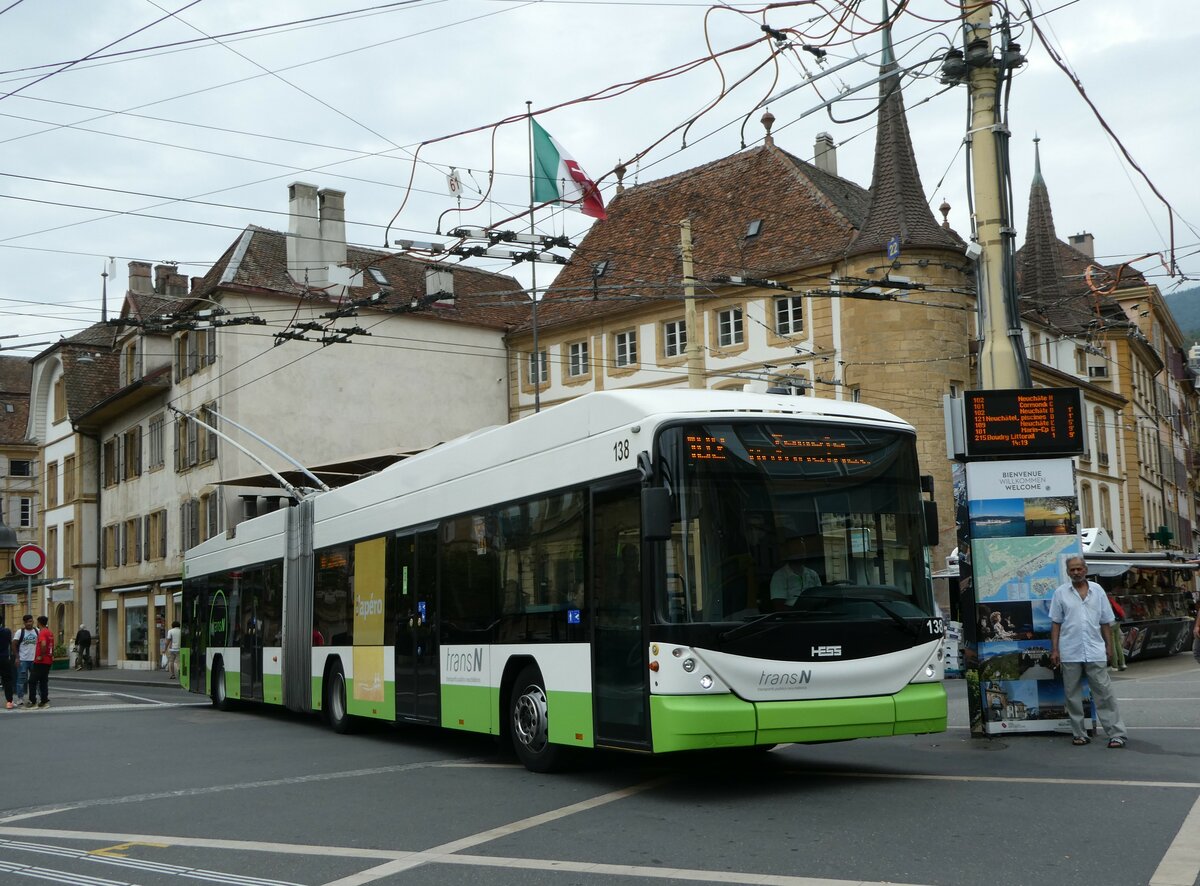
(123, 155)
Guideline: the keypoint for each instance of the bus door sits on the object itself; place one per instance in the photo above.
(251, 641)
(417, 689)
(618, 648)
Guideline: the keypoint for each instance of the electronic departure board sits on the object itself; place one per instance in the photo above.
(1033, 422)
(778, 448)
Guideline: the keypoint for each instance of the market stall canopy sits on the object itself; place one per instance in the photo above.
(1112, 565)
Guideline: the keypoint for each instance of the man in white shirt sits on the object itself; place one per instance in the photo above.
(1082, 618)
(173, 637)
(24, 646)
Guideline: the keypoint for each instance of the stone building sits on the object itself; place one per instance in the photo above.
(20, 481)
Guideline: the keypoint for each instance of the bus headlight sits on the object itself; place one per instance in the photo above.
(929, 670)
(689, 664)
(706, 682)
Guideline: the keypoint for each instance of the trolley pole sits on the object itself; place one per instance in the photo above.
(695, 352)
(999, 365)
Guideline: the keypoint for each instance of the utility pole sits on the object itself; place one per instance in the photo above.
(695, 352)
(1002, 361)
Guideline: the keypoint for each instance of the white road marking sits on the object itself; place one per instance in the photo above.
(205, 843)
(1181, 865)
(438, 853)
(34, 811)
(998, 779)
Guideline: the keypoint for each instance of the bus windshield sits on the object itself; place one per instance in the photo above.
(818, 521)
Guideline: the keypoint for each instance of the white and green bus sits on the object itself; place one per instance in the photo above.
(652, 570)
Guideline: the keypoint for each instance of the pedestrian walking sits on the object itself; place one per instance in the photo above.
(83, 649)
(43, 658)
(24, 645)
(1080, 633)
(6, 663)
(173, 638)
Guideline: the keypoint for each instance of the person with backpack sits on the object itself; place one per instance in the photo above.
(83, 649)
(23, 645)
(6, 665)
(43, 658)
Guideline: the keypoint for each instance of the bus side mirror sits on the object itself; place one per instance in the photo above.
(929, 510)
(656, 513)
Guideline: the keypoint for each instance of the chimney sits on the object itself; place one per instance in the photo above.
(825, 153)
(305, 262)
(333, 228)
(139, 277)
(166, 280)
(1084, 243)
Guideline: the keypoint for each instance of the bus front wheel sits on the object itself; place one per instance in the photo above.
(529, 719)
(217, 690)
(335, 702)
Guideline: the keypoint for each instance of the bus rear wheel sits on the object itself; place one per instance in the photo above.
(335, 702)
(529, 722)
(217, 690)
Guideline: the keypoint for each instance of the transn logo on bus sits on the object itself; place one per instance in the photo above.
(826, 651)
(795, 678)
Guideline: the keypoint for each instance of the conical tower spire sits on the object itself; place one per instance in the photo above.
(1040, 265)
(898, 206)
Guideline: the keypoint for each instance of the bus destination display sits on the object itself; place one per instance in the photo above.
(781, 450)
(1037, 421)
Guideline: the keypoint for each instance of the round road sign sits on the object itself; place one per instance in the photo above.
(29, 559)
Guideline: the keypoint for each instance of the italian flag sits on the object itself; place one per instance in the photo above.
(558, 178)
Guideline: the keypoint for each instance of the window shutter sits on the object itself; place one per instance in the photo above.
(137, 540)
(146, 543)
(195, 522)
(176, 424)
(184, 510)
(193, 354)
(119, 445)
(120, 542)
(137, 452)
(192, 443)
(211, 353)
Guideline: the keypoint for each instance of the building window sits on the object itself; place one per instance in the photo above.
(68, 479)
(210, 514)
(1101, 437)
(69, 555)
(537, 372)
(1085, 505)
(24, 512)
(110, 461)
(20, 467)
(674, 338)
(132, 453)
(52, 484)
(789, 315)
(729, 327)
(157, 441)
(577, 359)
(156, 535)
(208, 435)
(1105, 510)
(131, 362)
(189, 524)
(109, 551)
(131, 547)
(1081, 361)
(51, 553)
(60, 400)
(625, 348)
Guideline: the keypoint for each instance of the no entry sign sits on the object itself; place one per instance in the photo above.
(29, 559)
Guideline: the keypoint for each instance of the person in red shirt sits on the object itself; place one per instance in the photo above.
(43, 657)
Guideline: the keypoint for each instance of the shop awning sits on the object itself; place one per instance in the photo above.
(1112, 565)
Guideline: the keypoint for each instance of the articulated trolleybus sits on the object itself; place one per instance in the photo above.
(651, 570)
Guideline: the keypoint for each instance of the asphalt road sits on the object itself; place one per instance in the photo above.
(117, 785)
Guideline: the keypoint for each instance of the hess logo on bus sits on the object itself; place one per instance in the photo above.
(827, 651)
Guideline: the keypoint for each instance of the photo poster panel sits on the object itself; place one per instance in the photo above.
(1017, 528)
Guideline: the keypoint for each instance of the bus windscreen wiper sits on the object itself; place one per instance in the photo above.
(762, 620)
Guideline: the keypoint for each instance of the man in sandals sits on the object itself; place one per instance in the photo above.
(1079, 638)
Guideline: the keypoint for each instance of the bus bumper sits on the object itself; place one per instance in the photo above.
(696, 722)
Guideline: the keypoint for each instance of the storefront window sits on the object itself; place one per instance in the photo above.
(136, 633)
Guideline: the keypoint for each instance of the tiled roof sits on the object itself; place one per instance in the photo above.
(481, 298)
(16, 376)
(807, 217)
(91, 368)
(898, 206)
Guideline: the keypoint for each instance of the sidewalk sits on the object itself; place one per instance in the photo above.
(119, 676)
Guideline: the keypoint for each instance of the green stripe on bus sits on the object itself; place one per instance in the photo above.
(376, 709)
(318, 695)
(272, 688)
(691, 722)
(570, 716)
(920, 708)
(469, 708)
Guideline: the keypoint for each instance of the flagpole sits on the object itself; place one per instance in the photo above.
(536, 364)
